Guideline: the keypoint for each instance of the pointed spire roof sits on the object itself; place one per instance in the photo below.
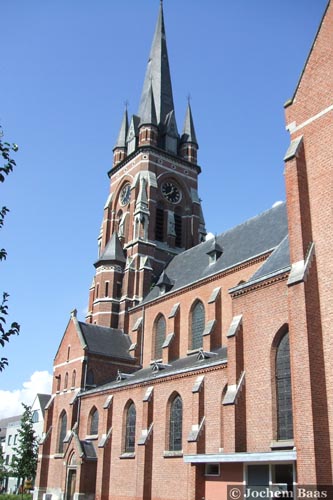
(148, 116)
(113, 251)
(121, 141)
(188, 134)
(158, 74)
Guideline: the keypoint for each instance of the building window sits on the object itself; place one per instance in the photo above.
(178, 230)
(7, 460)
(283, 390)
(62, 430)
(35, 417)
(106, 289)
(129, 446)
(197, 324)
(159, 336)
(176, 424)
(159, 224)
(15, 440)
(93, 427)
(73, 378)
(212, 469)
(58, 377)
(66, 381)
(68, 352)
(9, 439)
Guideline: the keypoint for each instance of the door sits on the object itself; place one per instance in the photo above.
(71, 480)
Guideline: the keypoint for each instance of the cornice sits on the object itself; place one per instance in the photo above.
(161, 152)
(180, 375)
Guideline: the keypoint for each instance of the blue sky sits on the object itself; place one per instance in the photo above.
(67, 67)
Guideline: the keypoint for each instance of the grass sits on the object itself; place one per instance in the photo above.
(15, 497)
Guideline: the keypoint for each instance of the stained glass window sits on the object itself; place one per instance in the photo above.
(93, 422)
(197, 324)
(62, 431)
(176, 424)
(159, 336)
(130, 429)
(283, 390)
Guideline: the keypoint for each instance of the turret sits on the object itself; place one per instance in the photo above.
(148, 130)
(188, 142)
(120, 149)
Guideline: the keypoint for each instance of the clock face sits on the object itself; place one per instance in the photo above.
(171, 192)
(125, 194)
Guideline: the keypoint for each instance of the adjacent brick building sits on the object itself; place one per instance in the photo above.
(201, 364)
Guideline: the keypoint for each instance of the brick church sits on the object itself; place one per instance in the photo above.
(201, 363)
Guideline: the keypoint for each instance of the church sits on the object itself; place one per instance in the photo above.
(204, 366)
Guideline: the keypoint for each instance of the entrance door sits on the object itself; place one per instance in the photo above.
(71, 479)
(257, 479)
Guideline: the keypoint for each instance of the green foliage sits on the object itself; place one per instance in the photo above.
(25, 456)
(6, 166)
(3, 471)
(16, 497)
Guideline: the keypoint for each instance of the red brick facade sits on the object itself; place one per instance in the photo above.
(234, 403)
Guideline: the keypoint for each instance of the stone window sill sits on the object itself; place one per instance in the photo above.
(127, 455)
(58, 455)
(173, 454)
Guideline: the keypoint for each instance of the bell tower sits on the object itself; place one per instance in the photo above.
(153, 211)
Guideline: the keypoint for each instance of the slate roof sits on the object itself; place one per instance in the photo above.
(108, 341)
(113, 251)
(186, 364)
(277, 261)
(43, 400)
(254, 237)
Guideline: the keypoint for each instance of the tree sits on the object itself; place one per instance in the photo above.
(6, 166)
(3, 470)
(24, 463)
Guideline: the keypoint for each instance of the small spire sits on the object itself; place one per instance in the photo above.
(113, 251)
(148, 116)
(189, 130)
(121, 141)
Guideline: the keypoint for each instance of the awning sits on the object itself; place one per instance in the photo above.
(270, 456)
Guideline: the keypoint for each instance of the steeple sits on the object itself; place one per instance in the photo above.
(121, 141)
(188, 134)
(158, 75)
(119, 150)
(188, 142)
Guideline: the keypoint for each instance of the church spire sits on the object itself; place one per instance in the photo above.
(158, 75)
(189, 135)
(120, 148)
(121, 141)
(188, 142)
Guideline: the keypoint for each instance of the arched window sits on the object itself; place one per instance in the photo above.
(176, 424)
(66, 381)
(93, 422)
(159, 336)
(129, 445)
(73, 378)
(283, 390)
(58, 377)
(62, 430)
(197, 324)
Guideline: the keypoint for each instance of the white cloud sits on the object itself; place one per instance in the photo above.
(11, 400)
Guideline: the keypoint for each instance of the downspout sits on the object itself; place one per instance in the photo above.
(142, 335)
